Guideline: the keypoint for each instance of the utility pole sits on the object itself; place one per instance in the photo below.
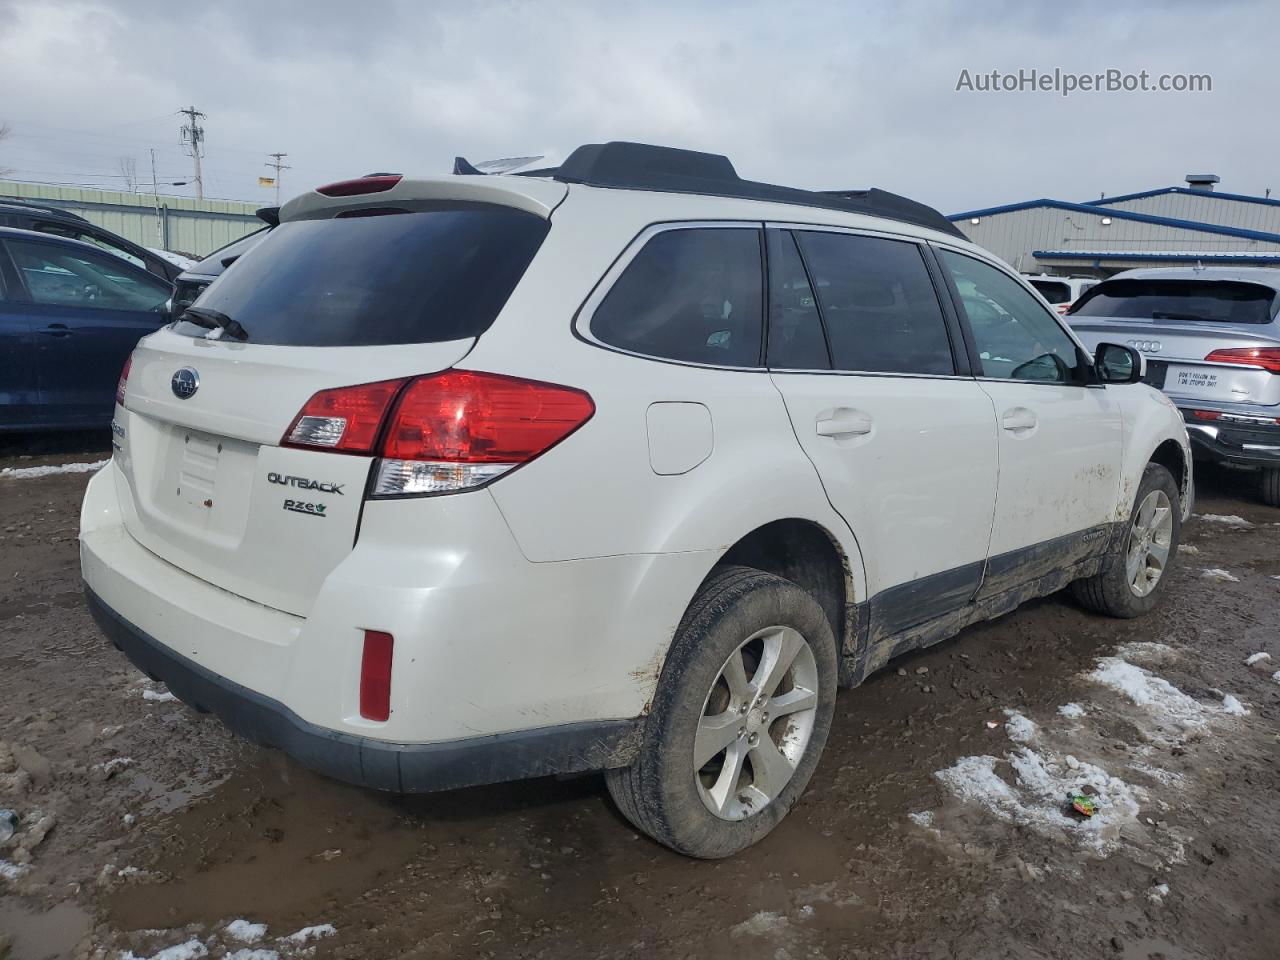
(193, 141)
(155, 193)
(277, 165)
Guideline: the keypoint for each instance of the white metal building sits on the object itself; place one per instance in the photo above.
(1170, 225)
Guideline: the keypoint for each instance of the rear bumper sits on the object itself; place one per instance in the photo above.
(379, 764)
(1246, 444)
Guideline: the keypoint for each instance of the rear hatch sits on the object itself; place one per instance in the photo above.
(346, 292)
(1206, 340)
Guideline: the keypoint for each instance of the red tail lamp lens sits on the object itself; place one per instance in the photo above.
(375, 676)
(123, 382)
(345, 419)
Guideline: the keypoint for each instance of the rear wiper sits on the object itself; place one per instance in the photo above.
(231, 327)
(1175, 316)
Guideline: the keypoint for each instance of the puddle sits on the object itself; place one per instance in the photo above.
(43, 935)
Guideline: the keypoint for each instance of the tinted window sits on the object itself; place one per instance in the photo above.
(878, 304)
(796, 341)
(692, 295)
(1212, 301)
(1017, 338)
(1053, 291)
(68, 277)
(102, 243)
(423, 277)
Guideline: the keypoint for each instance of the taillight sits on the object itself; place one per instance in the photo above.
(1266, 357)
(460, 429)
(1063, 308)
(442, 432)
(375, 676)
(123, 382)
(346, 419)
(352, 188)
(1206, 414)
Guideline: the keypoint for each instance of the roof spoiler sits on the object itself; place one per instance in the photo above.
(268, 215)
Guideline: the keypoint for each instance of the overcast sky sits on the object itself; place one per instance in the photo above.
(815, 94)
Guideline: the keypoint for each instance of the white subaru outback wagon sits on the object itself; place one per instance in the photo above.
(624, 465)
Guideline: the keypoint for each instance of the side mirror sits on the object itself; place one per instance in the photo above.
(1117, 364)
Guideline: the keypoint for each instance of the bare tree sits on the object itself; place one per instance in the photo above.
(129, 173)
(5, 130)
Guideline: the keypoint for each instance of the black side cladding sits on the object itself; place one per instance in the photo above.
(642, 166)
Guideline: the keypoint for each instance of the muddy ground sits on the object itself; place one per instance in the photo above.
(162, 829)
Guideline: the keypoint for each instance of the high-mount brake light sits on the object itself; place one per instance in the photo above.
(442, 432)
(353, 188)
(1266, 357)
(345, 419)
(123, 382)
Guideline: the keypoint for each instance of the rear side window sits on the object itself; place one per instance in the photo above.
(420, 277)
(796, 341)
(75, 277)
(1211, 301)
(878, 303)
(691, 294)
(1053, 291)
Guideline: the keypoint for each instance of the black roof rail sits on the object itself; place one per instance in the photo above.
(642, 166)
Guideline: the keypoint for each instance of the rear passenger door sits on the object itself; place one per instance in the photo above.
(1060, 433)
(876, 383)
(19, 402)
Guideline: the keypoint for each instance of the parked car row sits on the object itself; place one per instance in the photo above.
(74, 300)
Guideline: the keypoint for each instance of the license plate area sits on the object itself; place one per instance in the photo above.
(198, 469)
(1215, 383)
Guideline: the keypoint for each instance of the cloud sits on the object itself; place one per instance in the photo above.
(820, 94)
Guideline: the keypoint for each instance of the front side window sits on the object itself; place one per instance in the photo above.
(878, 304)
(691, 294)
(61, 276)
(1016, 337)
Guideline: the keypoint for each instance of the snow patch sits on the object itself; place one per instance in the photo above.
(1018, 728)
(1157, 893)
(1253, 658)
(1146, 650)
(159, 696)
(311, 933)
(922, 818)
(1228, 520)
(247, 954)
(33, 473)
(1276, 676)
(191, 950)
(1072, 711)
(1188, 548)
(12, 871)
(1217, 573)
(246, 932)
(762, 923)
(1233, 706)
(1037, 798)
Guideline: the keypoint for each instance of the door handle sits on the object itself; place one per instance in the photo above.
(57, 330)
(1019, 420)
(843, 422)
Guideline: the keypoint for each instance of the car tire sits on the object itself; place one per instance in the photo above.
(1118, 589)
(738, 795)
(1271, 486)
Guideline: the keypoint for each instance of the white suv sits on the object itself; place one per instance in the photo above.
(621, 466)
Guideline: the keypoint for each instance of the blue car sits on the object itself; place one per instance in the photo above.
(70, 315)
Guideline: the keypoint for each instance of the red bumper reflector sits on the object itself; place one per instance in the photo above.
(375, 676)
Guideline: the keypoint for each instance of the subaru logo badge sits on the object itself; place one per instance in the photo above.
(185, 383)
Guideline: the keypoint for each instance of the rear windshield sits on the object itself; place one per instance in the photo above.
(1210, 301)
(1053, 291)
(408, 277)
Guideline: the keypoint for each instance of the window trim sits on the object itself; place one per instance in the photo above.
(1089, 378)
(960, 359)
(581, 325)
(52, 241)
